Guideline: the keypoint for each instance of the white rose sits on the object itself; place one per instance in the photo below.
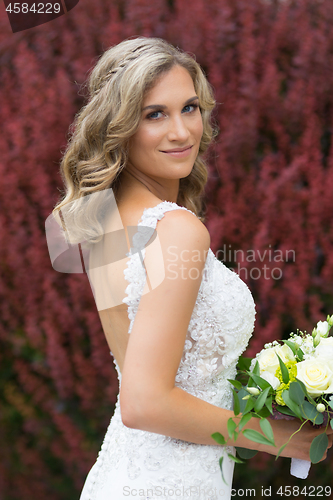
(268, 360)
(317, 375)
(325, 348)
(285, 353)
(271, 379)
(322, 328)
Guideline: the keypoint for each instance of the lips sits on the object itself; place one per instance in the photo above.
(177, 150)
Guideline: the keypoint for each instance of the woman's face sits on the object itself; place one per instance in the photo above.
(167, 141)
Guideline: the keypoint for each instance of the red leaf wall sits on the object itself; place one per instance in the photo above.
(268, 204)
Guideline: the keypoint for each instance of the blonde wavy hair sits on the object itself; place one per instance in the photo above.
(97, 150)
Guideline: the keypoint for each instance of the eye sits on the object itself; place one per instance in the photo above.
(153, 115)
(193, 106)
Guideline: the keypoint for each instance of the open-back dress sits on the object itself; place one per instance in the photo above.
(142, 465)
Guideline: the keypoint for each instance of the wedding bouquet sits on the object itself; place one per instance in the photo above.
(287, 379)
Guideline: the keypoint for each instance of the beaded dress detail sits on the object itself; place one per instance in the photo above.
(152, 466)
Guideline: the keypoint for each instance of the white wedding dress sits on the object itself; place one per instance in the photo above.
(148, 466)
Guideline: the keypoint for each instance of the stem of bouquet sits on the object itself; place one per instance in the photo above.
(292, 435)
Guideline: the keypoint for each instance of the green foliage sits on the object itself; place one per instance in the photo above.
(244, 363)
(284, 371)
(244, 420)
(318, 447)
(235, 459)
(261, 400)
(256, 401)
(257, 437)
(260, 382)
(309, 411)
(231, 426)
(267, 430)
(246, 453)
(291, 404)
(236, 403)
(296, 392)
(219, 438)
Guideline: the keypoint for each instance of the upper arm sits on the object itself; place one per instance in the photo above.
(156, 342)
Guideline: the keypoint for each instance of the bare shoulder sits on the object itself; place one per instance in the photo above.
(178, 252)
(183, 226)
(176, 224)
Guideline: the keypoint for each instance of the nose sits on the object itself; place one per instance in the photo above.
(178, 130)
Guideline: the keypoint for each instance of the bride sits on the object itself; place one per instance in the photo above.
(174, 317)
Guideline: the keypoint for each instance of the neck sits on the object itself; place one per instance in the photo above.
(130, 183)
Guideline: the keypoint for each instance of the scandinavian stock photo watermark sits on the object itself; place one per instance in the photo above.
(88, 236)
(263, 269)
(264, 261)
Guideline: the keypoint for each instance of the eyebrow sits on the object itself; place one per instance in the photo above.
(161, 106)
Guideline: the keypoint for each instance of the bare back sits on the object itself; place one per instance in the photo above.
(108, 281)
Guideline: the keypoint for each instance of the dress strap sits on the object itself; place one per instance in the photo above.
(135, 272)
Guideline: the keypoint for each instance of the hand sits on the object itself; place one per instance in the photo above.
(299, 444)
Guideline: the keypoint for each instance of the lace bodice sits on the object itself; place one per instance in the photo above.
(219, 330)
(221, 323)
